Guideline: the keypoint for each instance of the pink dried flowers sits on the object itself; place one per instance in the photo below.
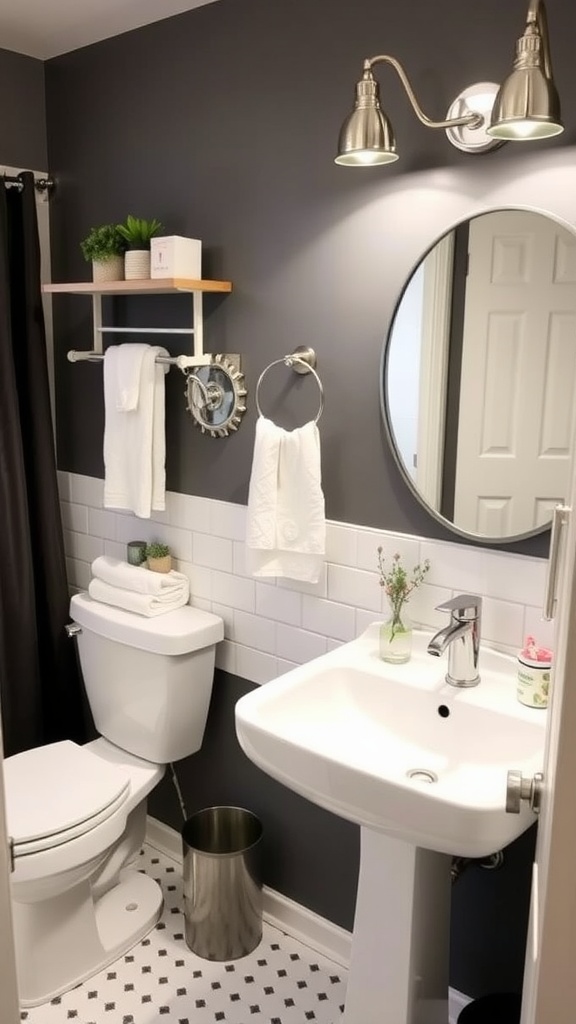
(397, 584)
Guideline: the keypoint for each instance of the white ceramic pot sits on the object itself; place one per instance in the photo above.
(137, 264)
(108, 270)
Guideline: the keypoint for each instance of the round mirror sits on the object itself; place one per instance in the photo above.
(479, 375)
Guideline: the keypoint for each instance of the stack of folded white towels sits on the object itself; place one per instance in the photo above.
(137, 589)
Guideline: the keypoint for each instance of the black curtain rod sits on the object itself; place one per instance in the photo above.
(40, 184)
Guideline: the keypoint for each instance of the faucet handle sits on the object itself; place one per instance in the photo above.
(464, 606)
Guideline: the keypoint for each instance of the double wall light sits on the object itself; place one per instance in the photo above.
(525, 106)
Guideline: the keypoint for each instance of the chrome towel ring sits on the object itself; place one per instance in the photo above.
(302, 360)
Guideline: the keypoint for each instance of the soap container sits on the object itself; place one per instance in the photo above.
(534, 668)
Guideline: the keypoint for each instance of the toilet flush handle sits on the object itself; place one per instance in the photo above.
(73, 629)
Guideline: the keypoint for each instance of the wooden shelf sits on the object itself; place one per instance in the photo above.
(154, 286)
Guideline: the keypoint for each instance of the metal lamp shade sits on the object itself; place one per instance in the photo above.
(527, 107)
(366, 137)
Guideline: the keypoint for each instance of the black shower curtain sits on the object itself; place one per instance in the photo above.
(40, 689)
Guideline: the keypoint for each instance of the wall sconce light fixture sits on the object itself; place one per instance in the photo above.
(482, 117)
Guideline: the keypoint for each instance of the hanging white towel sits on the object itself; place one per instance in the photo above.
(130, 601)
(134, 437)
(128, 370)
(286, 529)
(139, 579)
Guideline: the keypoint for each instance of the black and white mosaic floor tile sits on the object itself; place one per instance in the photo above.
(162, 982)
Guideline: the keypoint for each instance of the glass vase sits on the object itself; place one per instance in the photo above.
(396, 637)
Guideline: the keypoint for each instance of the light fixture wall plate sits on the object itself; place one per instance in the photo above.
(476, 99)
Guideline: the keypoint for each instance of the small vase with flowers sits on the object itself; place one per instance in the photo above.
(396, 631)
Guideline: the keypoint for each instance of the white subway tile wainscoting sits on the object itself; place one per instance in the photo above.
(273, 625)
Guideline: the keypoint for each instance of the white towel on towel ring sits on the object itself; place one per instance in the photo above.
(286, 527)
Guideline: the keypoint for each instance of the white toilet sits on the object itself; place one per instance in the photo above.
(77, 814)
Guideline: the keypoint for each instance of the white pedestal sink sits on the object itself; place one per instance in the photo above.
(399, 966)
(422, 767)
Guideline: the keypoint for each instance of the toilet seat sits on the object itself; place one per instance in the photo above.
(59, 792)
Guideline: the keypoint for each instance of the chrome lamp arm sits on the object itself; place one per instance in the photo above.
(473, 120)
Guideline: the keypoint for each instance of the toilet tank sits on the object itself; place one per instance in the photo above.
(148, 680)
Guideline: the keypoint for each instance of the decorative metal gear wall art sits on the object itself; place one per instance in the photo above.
(215, 395)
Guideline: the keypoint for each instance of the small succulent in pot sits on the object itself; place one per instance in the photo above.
(137, 232)
(104, 247)
(158, 557)
(102, 243)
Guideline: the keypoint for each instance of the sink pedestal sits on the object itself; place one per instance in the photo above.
(400, 944)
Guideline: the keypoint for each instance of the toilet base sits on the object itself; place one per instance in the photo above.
(54, 954)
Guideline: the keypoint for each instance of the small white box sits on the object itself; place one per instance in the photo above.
(176, 256)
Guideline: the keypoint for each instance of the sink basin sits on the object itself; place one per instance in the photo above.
(395, 748)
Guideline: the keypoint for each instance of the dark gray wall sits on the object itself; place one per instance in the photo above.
(225, 128)
(22, 112)
(223, 123)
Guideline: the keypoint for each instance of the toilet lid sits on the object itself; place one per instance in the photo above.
(57, 792)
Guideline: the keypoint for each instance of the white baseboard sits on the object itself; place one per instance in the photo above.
(163, 838)
(323, 936)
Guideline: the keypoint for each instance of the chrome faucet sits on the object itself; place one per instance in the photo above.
(462, 638)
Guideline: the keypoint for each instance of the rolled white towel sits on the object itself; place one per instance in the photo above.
(135, 577)
(130, 601)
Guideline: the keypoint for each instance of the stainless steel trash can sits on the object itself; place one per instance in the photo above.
(222, 882)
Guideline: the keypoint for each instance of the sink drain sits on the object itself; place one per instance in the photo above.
(422, 775)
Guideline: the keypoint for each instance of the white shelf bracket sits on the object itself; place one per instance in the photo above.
(198, 324)
(198, 358)
(97, 323)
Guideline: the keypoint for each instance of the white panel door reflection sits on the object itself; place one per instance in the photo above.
(519, 358)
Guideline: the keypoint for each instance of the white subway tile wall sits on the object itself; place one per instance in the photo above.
(272, 625)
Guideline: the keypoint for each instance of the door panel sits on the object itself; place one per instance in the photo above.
(550, 975)
(519, 355)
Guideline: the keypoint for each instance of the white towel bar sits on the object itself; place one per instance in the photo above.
(145, 330)
(182, 362)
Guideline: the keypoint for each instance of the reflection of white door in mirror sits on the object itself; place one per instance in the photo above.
(516, 418)
(435, 328)
(404, 371)
(490, 378)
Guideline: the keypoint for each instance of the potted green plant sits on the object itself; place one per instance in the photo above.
(136, 234)
(158, 557)
(104, 247)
